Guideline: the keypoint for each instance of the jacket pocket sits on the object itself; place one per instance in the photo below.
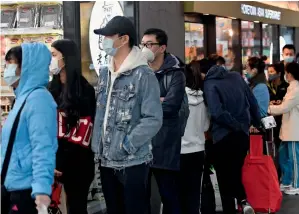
(24, 157)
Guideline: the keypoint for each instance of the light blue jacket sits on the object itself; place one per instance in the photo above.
(261, 93)
(32, 161)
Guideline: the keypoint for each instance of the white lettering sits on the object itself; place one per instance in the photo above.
(260, 12)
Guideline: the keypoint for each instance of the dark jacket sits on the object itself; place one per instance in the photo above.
(279, 92)
(74, 153)
(167, 143)
(231, 104)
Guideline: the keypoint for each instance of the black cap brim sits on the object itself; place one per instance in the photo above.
(103, 31)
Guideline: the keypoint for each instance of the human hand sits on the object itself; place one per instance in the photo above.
(57, 173)
(253, 130)
(162, 99)
(42, 200)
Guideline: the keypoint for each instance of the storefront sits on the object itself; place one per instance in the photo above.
(237, 30)
(23, 22)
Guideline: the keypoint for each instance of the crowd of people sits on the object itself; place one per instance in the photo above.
(149, 115)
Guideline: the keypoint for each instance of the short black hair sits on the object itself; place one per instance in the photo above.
(217, 59)
(290, 47)
(15, 53)
(293, 68)
(161, 35)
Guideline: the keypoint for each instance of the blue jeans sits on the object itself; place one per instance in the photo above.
(289, 162)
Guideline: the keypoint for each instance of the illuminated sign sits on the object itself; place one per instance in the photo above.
(102, 13)
(260, 12)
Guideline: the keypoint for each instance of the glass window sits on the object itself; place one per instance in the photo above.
(286, 37)
(251, 40)
(194, 36)
(227, 42)
(270, 43)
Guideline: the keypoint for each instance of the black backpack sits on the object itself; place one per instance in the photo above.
(184, 110)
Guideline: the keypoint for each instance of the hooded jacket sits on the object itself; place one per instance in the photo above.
(231, 104)
(167, 143)
(198, 123)
(32, 161)
(128, 113)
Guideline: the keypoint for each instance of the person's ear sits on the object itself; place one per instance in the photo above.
(163, 48)
(125, 39)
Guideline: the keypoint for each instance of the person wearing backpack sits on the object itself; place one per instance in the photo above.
(193, 141)
(167, 143)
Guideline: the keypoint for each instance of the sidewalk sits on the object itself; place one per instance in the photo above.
(290, 205)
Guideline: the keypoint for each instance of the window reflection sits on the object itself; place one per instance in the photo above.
(226, 32)
(270, 43)
(286, 37)
(194, 36)
(251, 40)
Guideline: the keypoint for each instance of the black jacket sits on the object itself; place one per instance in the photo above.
(74, 154)
(279, 92)
(167, 143)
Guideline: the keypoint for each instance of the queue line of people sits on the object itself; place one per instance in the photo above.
(149, 115)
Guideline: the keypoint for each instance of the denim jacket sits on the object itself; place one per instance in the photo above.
(134, 118)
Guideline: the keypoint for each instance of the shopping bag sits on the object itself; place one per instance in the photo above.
(55, 198)
(260, 179)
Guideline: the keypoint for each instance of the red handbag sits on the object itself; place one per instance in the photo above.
(259, 177)
(55, 198)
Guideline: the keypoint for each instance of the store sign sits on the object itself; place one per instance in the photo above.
(260, 12)
(102, 13)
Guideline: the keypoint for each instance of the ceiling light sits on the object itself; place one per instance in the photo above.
(206, 14)
(256, 21)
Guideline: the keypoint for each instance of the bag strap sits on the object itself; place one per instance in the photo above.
(10, 145)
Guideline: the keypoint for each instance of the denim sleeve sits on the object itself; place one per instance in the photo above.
(151, 111)
(216, 110)
(41, 117)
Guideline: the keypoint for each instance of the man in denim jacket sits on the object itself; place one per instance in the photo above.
(129, 114)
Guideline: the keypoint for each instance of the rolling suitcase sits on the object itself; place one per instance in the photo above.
(260, 180)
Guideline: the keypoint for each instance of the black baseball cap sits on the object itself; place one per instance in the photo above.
(118, 25)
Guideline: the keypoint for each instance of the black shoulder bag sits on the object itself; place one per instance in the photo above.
(5, 196)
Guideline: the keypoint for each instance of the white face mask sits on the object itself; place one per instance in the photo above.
(148, 54)
(54, 66)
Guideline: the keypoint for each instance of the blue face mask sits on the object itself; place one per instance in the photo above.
(289, 59)
(248, 76)
(10, 76)
(273, 77)
(108, 46)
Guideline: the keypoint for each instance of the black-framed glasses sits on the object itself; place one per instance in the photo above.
(148, 45)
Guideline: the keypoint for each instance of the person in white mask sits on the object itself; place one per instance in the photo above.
(75, 98)
(167, 143)
(128, 115)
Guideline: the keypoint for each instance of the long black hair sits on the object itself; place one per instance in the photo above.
(260, 65)
(193, 76)
(68, 95)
